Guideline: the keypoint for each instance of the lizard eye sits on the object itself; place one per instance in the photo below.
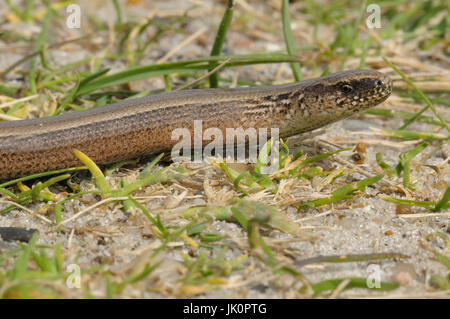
(346, 88)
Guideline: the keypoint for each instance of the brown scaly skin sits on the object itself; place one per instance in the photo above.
(133, 128)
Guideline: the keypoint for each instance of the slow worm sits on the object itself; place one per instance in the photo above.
(133, 128)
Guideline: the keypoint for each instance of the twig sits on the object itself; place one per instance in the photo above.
(35, 53)
(24, 99)
(181, 45)
(29, 211)
(217, 68)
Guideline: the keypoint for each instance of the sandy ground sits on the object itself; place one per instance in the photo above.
(364, 225)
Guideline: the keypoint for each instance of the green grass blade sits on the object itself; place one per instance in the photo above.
(386, 168)
(40, 175)
(289, 39)
(343, 193)
(405, 160)
(239, 217)
(443, 203)
(420, 93)
(96, 172)
(147, 71)
(332, 284)
(218, 42)
(38, 47)
(20, 267)
(118, 13)
(414, 135)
